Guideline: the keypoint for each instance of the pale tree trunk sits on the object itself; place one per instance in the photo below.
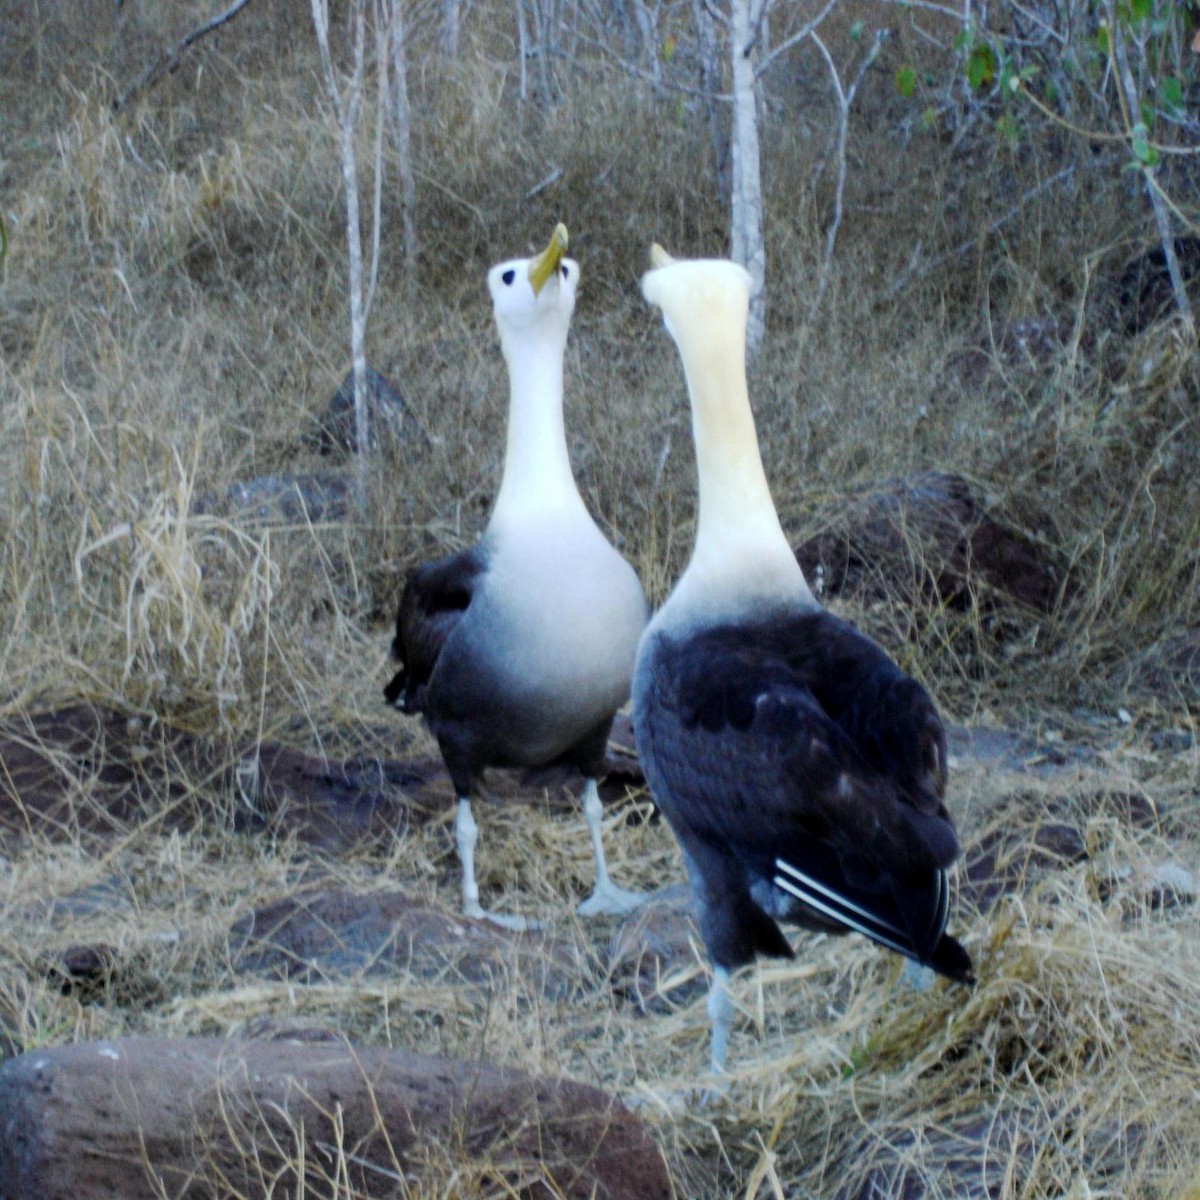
(401, 128)
(451, 20)
(746, 208)
(647, 23)
(708, 47)
(346, 107)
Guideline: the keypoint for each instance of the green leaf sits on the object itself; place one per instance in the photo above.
(981, 66)
(856, 30)
(1141, 10)
(906, 81)
(1170, 94)
(1145, 154)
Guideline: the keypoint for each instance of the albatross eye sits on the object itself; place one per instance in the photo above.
(565, 270)
(508, 277)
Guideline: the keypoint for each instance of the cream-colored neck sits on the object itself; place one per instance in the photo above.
(741, 550)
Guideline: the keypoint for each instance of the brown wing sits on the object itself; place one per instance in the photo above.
(435, 596)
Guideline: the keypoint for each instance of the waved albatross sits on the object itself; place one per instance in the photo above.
(801, 770)
(519, 650)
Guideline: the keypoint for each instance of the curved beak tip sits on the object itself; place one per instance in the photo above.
(659, 257)
(546, 263)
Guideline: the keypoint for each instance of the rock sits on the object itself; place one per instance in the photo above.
(1171, 667)
(1029, 835)
(928, 534)
(980, 1157)
(320, 935)
(85, 773)
(338, 806)
(1143, 291)
(193, 1118)
(322, 498)
(84, 970)
(336, 432)
(656, 957)
(81, 772)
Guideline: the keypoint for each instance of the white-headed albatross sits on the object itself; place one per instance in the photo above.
(801, 770)
(519, 650)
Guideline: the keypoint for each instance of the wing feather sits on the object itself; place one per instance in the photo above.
(435, 596)
(799, 748)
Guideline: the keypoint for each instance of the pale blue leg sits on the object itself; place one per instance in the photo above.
(466, 834)
(720, 1013)
(606, 897)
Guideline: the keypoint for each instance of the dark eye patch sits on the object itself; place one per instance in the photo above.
(509, 276)
(565, 270)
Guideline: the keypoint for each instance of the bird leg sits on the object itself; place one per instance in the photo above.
(466, 834)
(606, 897)
(720, 1013)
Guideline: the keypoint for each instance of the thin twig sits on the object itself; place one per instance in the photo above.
(796, 38)
(168, 60)
(845, 98)
(915, 271)
(1162, 217)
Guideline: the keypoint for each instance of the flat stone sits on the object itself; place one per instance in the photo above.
(197, 1117)
(335, 933)
(656, 958)
(978, 1157)
(84, 773)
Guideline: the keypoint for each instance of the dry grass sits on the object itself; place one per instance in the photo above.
(172, 318)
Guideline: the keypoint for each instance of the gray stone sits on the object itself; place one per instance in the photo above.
(337, 933)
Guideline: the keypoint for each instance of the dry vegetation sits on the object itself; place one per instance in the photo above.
(172, 319)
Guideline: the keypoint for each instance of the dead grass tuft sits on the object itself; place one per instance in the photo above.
(172, 320)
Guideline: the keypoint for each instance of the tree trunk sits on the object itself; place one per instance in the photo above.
(710, 85)
(746, 215)
(401, 125)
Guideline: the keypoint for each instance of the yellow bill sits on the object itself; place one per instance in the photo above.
(546, 263)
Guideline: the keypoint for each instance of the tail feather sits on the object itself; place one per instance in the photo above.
(915, 930)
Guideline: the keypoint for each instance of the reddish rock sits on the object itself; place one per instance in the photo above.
(931, 534)
(84, 772)
(193, 1118)
(337, 933)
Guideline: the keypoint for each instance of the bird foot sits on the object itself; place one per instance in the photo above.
(503, 920)
(919, 978)
(610, 900)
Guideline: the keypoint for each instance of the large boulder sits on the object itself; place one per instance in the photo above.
(927, 534)
(198, 1117)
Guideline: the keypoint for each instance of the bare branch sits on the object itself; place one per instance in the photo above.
(794, 39)
(845, 98)
(915, 270)
(170, 58)
(1162, 216)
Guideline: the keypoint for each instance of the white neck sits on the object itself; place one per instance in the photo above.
(537, 467)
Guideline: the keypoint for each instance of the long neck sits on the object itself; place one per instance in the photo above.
(740, 545)
(537, 467)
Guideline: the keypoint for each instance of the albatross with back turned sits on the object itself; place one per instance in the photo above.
(519, 650)
(801, 770)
